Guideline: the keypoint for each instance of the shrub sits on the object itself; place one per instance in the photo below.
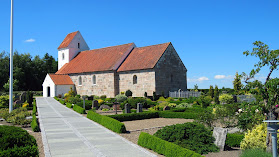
(74, 100)
(24, 105)
(29, 97)
(88, 104)
(62, 102)
(107, 122)
(192, 136)
(205, 101)
(233, 140)
(161, 99)
(206, 118)
(183, 105)
(166, 148)
(121, 98)
(133, 102)
(4, 113)
(79, 109)
(4, 101)
(255, 152)
(135, 116)
(105, 109)
(145, 94)
(255, 138)
(18, 117)
(34, 124)
(69, 105)
(34, 108)
(226, 99)
(100, 101)
(103, 97)
(16, 142)
(185, 115)
(171, 104)
(128, 93)
(178, 109)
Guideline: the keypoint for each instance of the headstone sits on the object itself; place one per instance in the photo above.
(166, 108)
(127, 108)
(95, 104)
(220, 135)
(104, 106)
(139, 107)
(22, 96)
(17, 102)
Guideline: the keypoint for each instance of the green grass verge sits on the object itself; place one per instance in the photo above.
(107, 122)
(164, 147)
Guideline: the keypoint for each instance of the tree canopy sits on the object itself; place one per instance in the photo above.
(29, 72)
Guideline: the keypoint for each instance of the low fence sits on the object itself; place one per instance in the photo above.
(184, 94)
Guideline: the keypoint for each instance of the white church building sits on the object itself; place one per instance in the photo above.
(111, 70)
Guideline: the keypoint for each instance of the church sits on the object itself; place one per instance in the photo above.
(111, 70)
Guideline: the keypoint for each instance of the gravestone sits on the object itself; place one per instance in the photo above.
(127, 108)
(95, 104)
(139, 107)
(17, 102)
(166, 108)
(220, 135)
(22, 96)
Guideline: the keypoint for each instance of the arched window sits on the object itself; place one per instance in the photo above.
(79, 81)
(78, 45)
(171, 78)
(94, 79)
(63, 56)
(135, 79)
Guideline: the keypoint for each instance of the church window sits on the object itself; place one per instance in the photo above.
(79, 81)
(78, 45)
(94, 79)
(135, 79)
(63, 56)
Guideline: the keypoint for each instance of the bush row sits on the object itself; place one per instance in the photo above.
(233, 140)
(107, 122)
(16, 142)
(185, 115)
(34, 124)
(135, 116)
(69, 105)
(164, 147)
(79, 109)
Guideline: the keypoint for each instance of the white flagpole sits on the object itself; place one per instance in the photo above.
(11, 61)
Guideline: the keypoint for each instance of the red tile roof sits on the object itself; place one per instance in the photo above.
(143, 57)
(67, 40)
(61, 79)
(103, 59)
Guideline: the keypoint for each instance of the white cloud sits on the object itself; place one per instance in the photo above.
(203, 78)
(219, 76)
(30, 40)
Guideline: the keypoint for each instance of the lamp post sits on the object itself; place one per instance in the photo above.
(272, 128)
(11, 61)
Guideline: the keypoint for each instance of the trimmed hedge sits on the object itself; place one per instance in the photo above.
(134, 116)
(69, 105)
(62, 102)
(107, 122)
(164, 147)
(34, 124)
(16, 142)
(233, 140)
(177, 109)
(79, 109)
(185, 115)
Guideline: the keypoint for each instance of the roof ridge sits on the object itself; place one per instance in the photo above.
(108, 47)
(155, 45)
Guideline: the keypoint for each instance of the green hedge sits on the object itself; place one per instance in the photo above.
(233, 140)
(134, 116)
(16, 142)
(177, 109)
(79, 109)
(69, 105)
(20, 152)
(107, 122)
(62, 101)
(185, 115)
(34, 124)
(164, 147)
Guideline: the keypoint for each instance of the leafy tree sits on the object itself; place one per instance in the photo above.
(211, 91)
(216, 95)
(237, 85)
(7, 85)
(269, 89)
(196, 88)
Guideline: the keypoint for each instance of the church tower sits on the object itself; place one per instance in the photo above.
(70, 47)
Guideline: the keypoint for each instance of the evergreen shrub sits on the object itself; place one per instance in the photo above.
(107, 122)
(69, 105)
(193, 136)
(233, 140)
(166, 148)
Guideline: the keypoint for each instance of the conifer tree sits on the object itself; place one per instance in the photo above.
(211, 91)
(237, 85)
(216, 95)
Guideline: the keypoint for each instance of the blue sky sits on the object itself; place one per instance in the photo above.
(209, 36)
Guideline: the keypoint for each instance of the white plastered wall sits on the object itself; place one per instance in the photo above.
(48, 83)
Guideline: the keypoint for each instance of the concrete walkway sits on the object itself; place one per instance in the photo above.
(67, 133)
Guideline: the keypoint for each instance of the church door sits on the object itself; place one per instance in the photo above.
(48, 91)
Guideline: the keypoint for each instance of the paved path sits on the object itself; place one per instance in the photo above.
(67, 133)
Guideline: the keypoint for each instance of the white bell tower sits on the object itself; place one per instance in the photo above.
(70, 47)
